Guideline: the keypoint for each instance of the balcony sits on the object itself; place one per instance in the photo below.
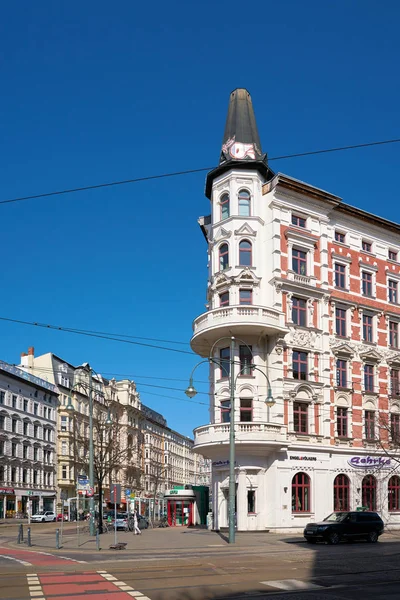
(302, 279)
(208, 439)
(234, 320)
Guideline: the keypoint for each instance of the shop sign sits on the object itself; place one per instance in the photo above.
(7, 491)
(310, 458)
(222, 463)
(368, 462)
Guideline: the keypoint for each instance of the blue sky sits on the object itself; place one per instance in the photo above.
(100, 91)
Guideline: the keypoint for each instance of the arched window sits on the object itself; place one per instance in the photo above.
(341, 493)
(244, 203)
(223, 257)
(245, 253)
(301, 493)
(369, 492)
(224, 206)
(394, 493)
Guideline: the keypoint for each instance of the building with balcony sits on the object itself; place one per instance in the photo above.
(28, 412)
(309, 288)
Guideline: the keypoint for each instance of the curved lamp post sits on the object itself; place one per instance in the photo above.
(191, 392)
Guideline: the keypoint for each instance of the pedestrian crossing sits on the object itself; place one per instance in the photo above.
(292, 585)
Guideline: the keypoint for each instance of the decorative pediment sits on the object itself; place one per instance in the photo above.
(343, 348)
(221, 281)
(369, 354)
(392, 358)
(246, 230)
(222, 234)
(247, 276)
(303, 338)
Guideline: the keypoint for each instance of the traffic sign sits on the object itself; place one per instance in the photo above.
(116, 493)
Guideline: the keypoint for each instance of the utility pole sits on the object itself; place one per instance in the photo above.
(91, 470)
(232, 480)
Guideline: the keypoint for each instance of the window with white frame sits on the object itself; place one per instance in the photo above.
(244, 203)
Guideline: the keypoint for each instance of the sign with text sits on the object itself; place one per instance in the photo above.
(115, 493)
(370, 462)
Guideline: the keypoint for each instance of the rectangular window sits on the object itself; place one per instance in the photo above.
(26, 405)
(299, 221)
(300, 365)
(14, 401)
(26, 429)
(369, 425)
(35, 454)
(341, 373)
(13, 474)
(251, 502)
(341, 421)
(24, 475)
(300, 417)
(64, 448)
(392, 255)
(35, 409)
(1, 449)
(14, 425)
(36, 431)
(366, 283)
(340, 276)
(246, 410)
(369, 378)
(340, 237)
(246, 359)
(64, 471)
(2, 396)
(225, 411)
(366, 246)
(367, 328)
(394, 334)
(392, 288)
(64, 423)
(340, 321)
(225, 362)
(299, 312)
(299, 262)
(1, 423)
(224, 299)
(35, 477)
(395, 382)
(25, 451)
(245, 297)
(395, 426)
(14, 449)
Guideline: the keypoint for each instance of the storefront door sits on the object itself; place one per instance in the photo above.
(180, 513)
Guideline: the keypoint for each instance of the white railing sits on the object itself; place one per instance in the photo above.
(239, 314)
(219, 432)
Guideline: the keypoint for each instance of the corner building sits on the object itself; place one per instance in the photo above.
(309, 288)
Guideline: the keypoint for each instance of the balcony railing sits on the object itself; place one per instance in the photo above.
(217, 433)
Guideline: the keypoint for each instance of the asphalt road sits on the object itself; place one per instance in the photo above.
(285, 571)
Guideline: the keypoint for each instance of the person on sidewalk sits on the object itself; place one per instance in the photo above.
(136, 524)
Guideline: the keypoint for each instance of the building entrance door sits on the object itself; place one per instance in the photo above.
(180, 513)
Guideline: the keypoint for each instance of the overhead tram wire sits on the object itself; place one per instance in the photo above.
(188, 172)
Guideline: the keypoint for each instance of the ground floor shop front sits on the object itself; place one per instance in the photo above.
(16, 502)
(285, 490)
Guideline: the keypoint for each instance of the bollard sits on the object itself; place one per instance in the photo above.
(20, 534)
(28, 540)
(97, 540)
(57, 539)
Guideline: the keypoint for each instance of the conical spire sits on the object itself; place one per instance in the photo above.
(241, 140)
(241, 146)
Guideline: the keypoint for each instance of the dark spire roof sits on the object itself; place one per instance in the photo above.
(241, 146)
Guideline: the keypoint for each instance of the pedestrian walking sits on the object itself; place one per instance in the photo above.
(136, 524)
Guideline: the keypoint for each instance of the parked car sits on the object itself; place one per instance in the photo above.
(124, 521)
(345, 526)
(43, 516)
(61, 517)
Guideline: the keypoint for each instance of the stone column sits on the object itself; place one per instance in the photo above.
(241, 500)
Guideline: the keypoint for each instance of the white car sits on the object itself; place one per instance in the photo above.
(43, 516)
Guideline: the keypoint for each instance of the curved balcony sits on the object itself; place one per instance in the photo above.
(208, 439)
(234, 320)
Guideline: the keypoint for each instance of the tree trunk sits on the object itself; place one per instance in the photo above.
(100, 489)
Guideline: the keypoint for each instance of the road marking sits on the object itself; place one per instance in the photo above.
(22, 562)
(293, 584)
(35, 587)
(122, 586)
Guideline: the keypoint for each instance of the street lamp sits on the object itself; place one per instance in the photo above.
(191, 392)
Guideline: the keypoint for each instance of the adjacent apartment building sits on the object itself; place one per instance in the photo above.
(28, 414)
(309, 288)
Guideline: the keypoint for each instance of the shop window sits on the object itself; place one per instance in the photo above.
(251, 501)
(366, 279)
(245, 253)
(299, 261)
(300, 417)
(246, 410)
(223, 257)
(394, 493)
(245, 297)
(369, 422)
(392, 289)
(341, 493)
(340, 322)
(224, 202)
(395, 427)
(342, 421)
(299, 312)
(367, 328)
(393, 334)
(224, 299)
(369, 492)
(244, 203)
(246, 359)
(300, 365)
(341, 373)
(225, 411)
(340, 276)
(301, 493)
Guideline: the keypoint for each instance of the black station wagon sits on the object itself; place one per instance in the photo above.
(345, 526)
